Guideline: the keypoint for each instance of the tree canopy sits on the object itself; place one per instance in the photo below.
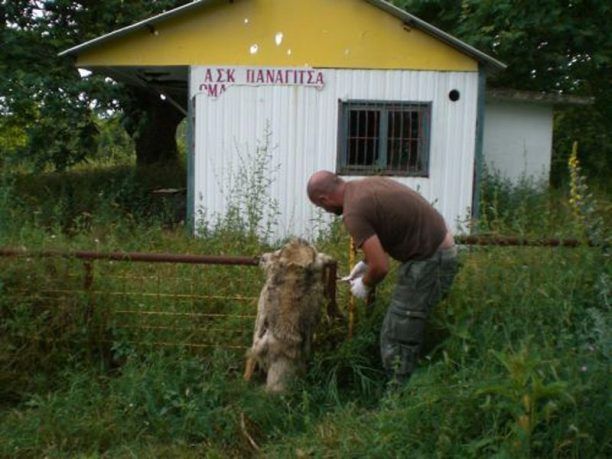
(48, 113)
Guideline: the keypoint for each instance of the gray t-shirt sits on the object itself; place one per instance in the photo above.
(408, 227)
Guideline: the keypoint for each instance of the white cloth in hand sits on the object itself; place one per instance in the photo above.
(358, 271)
(359, 289)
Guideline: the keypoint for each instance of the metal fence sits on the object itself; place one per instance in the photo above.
(196, 301)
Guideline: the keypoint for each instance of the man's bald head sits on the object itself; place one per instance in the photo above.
(322, 182)
(325, 189)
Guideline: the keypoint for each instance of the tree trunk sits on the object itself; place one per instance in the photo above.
(155, 136)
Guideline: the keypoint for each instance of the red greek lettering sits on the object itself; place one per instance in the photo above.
(310, 73)
(208, 78)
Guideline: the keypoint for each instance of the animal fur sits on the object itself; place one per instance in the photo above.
(288, 312)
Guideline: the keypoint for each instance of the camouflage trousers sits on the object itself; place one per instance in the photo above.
(420, 286)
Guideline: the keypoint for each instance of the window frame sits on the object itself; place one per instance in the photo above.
(383, 107)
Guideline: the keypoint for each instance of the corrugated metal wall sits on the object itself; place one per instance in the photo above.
(303, 123)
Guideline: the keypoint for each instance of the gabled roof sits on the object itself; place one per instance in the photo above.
(408, 19)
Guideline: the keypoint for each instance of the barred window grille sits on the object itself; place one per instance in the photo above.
(384, 138)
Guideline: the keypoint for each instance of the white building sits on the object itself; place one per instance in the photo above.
(518, 132)
(354, 86)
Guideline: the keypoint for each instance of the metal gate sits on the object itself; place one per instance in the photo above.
(196, 301)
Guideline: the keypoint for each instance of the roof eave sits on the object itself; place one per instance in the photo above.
(538, 97)
(146, 23)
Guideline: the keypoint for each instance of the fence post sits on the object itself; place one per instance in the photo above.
(88, 281)
(331, 278)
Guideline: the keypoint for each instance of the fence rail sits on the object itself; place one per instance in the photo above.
(135, 257)
(518, 241)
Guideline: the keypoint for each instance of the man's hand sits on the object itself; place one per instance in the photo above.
(358, 271)
(359, 289)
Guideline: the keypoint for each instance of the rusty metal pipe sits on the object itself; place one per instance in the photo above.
(254, 261)
(517, 241)
(136, 256)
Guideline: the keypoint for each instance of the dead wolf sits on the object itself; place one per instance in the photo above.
(288, 312)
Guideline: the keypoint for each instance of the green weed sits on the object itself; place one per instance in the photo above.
(518, 366)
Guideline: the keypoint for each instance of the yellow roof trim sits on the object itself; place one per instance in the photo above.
(315, 33)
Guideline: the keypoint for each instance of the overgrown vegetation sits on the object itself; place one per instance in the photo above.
(517, 363)
(251, 212)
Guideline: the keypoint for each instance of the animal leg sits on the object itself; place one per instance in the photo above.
(249, 368)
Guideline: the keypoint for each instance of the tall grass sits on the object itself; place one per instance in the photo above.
(251, 213)
(517, 363)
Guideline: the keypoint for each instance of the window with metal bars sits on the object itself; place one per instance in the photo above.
(384, 138)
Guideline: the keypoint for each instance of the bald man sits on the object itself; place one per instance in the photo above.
(386, 219)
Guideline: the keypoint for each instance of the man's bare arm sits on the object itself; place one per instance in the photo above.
(377, 259)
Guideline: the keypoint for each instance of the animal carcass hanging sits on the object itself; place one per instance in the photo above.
(288, 311)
